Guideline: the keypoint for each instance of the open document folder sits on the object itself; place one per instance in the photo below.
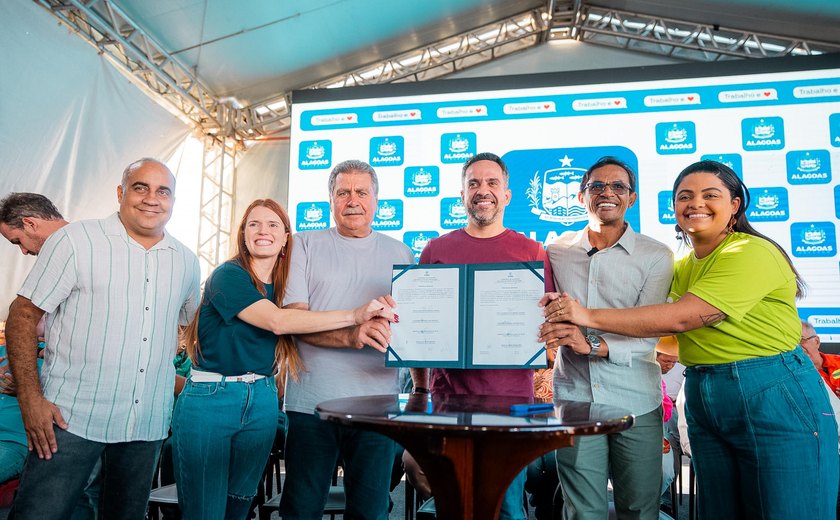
(467, 316)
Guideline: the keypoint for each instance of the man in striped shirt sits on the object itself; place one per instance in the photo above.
(114, 291)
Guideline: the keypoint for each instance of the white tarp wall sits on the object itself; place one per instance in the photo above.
(69, 124)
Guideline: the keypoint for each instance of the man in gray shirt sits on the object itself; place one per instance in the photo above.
(332, 269)
(608, 265)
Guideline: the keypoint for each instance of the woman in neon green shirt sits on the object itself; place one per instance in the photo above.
(761, 428)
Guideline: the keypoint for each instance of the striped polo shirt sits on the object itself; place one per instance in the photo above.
(113, 310)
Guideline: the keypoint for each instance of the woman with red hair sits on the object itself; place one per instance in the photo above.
(226, 416)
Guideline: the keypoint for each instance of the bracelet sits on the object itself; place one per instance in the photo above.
(421, 390)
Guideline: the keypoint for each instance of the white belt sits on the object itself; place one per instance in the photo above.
(199, 376)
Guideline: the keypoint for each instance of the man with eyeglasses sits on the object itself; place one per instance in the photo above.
(828, 365)
(607, 264)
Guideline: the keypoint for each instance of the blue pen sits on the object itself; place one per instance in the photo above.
(529, 409)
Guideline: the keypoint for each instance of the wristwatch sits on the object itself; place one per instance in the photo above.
(595, 344)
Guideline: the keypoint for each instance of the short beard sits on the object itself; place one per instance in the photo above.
(482, 221)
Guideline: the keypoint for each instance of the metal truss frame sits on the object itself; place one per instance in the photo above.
(443, 57)
(218, 196)
(105, 26)
(225, 127)
(679, 38)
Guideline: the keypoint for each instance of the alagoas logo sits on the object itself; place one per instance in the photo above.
(808, 167)
(763, 133)
(387, 151)
(813, 239)
(666, 208)
(457, 148)
(732, 160)
(315, 155)
(422, 181)
(388, 216)
(676, 137)
(453, 214)
(837, 201)
(545, 184)
(768, 204)
(834, 129)
(417, 240)
(312, 216)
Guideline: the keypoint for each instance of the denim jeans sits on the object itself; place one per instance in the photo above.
(222, 435)
(313, 448)
(88, 506)
(127, 472)
(543, 486)
(763, 439)
(513, 503)
(12, 456)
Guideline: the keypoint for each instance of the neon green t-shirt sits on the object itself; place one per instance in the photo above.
(748, 279)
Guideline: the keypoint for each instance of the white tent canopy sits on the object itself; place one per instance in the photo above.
(70, 121)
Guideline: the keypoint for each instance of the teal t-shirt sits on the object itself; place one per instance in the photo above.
(11, 423)
(229, 346)
(747, 278)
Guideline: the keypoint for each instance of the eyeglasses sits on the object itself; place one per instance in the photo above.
(597, 187)
(809, 338)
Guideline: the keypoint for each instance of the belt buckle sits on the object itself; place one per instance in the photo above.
(246, 378)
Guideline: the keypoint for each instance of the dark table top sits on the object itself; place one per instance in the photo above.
(470, 414)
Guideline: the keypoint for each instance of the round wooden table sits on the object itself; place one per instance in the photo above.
(471, 447)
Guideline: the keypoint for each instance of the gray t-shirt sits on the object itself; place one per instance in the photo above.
(330, 272)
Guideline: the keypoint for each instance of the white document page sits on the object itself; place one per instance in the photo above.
(427, 304)
(506, 317)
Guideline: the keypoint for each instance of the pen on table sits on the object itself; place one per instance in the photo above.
(529, 409)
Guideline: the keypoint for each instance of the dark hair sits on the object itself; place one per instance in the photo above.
(17, 206)
(485, 156)
(286, 355)
(607, 161)
(737, 190)
(352, 165)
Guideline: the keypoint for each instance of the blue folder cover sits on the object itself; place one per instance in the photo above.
(465, 316)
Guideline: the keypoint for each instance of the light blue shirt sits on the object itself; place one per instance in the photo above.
(636, 271)
(113, 310)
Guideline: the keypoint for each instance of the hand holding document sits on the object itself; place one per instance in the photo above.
(468, 316)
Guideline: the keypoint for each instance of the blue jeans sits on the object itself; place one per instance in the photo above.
(127, 472)
(763, 439)
(313, 448)
(88, 506)
(222, 435)
(513, 503)
(12, 456)
(543, 486)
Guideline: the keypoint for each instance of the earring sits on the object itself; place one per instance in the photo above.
(283, 252)
(731, 226)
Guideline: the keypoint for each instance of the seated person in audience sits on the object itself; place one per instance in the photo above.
(225, 420)
(828, 365)
(183, 365)
(668, 472)
(541, 480)
(667, 351)
(13, 448)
